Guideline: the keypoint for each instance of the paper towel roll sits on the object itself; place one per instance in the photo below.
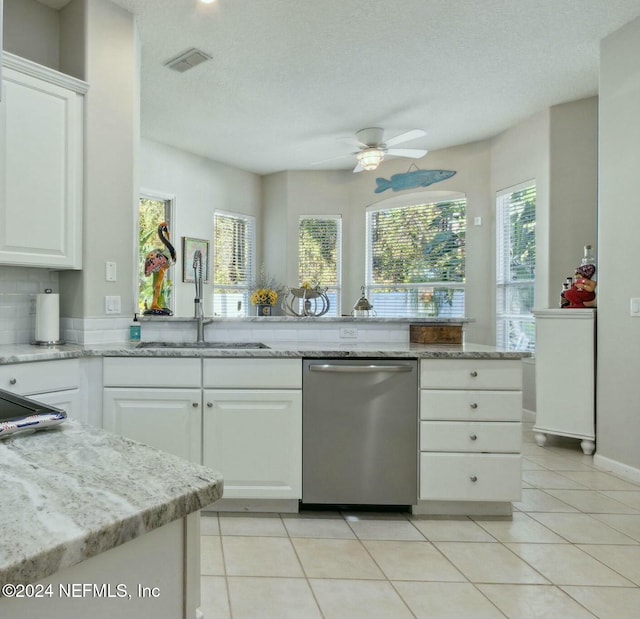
(47, 318)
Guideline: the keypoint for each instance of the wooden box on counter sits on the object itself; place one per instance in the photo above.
(435, 334)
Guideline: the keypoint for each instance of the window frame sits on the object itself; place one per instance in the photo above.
(250, 274)
(422, 289)
(169, 209)
(503, 272)
(335, 305)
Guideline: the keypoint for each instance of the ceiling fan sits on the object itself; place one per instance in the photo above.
(373, 148)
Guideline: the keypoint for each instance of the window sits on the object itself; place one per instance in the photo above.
(234, 241)
(151, 213)
(415, 263)
(319, 256)
(515, 267)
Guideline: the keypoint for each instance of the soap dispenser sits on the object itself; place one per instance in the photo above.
(134, 329)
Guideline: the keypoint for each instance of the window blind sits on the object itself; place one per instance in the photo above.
(320, 255)
(234, 240)
(515, 266)
(415, 259)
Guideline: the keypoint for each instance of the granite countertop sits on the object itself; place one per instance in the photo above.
(73, 492)
(25, 352)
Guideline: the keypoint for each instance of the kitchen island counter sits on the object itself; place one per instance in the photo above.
(74, 492)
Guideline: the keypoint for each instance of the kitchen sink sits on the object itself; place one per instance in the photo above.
(225, 345)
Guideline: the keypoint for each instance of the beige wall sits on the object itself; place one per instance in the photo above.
(618, 422)
(24, 17)
(111, 154)
(573, 188)
(198, 186)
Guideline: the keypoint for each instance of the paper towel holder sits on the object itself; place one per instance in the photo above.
(51, 342)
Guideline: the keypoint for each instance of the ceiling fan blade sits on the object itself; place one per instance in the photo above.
(414, 153)
(331, 159)
(405, 137)
(351, 141)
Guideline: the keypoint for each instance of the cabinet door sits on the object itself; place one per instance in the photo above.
(68, 401)
(167, 419)
(254, 438)
(40, 173)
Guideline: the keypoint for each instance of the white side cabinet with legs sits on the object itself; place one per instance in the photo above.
(565, 375)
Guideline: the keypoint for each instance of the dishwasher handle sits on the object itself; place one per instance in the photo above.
(359, 369)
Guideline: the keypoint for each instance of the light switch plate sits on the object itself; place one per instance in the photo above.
(112, 304)
(635, 307)
(110, 271)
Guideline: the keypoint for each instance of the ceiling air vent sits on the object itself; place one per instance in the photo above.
(187, 60)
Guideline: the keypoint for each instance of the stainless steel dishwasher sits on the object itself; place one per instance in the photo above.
(360, 432)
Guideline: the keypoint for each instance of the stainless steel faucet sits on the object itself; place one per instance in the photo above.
(198, 309)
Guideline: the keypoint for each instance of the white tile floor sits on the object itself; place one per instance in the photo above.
(572, 551)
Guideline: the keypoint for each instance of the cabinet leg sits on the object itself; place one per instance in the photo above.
(541, 439)
(588, 447)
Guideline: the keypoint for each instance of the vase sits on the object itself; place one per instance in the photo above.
(263, 310)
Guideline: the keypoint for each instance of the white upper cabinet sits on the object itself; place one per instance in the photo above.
(41, 166)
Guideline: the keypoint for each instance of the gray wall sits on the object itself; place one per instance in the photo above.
(109, 40)
(618, 423)
(24, 17)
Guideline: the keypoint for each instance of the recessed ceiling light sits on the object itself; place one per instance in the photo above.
(207, 1)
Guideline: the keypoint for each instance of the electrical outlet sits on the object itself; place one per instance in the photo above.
(348, 332)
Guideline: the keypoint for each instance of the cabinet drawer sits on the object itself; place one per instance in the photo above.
(470, 405)
(471, 374)
(252, 373)
(470, 477)
(151, 372)
(40, 376)
(470, 436)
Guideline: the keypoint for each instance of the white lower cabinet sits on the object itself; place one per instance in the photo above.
(253, 436)
(51, 382)
(470, 430)
(157, 401)
(167, 419)
(242, 417)
(68, 400)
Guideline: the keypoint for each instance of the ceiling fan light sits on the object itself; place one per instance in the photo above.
(370, 158)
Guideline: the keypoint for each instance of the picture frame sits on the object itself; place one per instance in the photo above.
(189, 247)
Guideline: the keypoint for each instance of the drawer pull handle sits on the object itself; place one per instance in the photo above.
(474, 478)
(209, 404)
(473, 405)
(474, 374)
(194, 404)
(473, 437)
(13, 381)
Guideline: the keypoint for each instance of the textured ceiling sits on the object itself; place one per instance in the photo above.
(289, 78)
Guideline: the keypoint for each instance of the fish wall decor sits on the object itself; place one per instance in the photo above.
(411, 180)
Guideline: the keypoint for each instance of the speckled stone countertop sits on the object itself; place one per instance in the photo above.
(26, 353)
(73, 492)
